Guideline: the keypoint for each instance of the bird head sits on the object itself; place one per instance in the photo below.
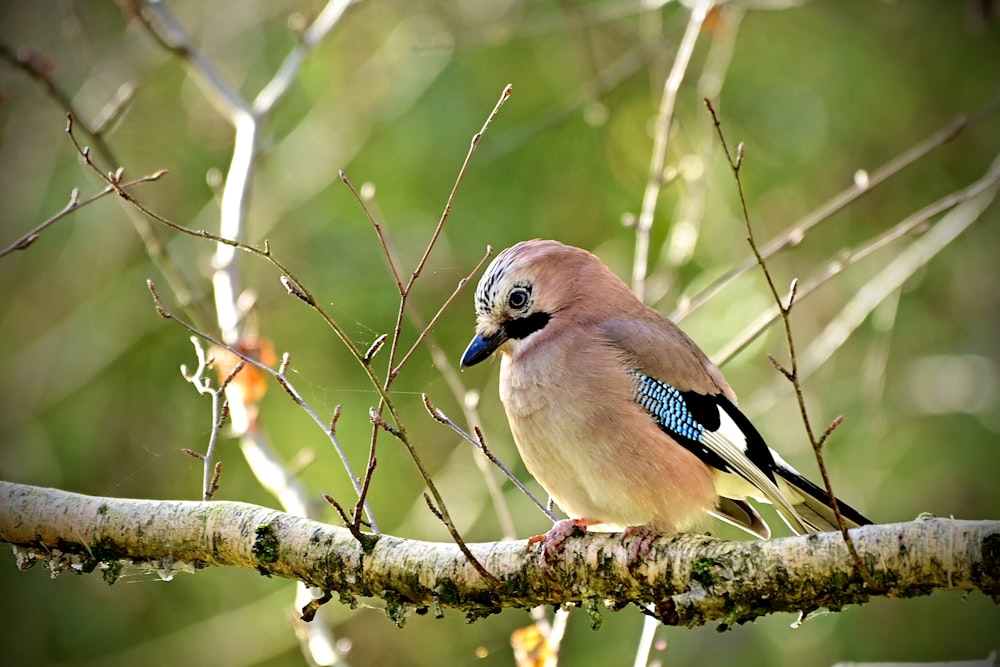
(528, 290)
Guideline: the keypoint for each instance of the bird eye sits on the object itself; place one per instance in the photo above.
(518, 298)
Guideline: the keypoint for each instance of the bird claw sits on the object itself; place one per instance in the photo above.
(555, 538)
(640, 539)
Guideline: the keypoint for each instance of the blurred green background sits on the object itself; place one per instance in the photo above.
(92, 399)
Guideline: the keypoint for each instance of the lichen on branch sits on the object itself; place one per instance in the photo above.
(687, 580)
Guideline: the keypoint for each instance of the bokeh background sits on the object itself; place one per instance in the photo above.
(93, 401)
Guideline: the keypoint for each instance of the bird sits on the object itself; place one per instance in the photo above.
(618, 414)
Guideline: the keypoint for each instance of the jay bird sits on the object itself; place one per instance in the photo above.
(617, 413)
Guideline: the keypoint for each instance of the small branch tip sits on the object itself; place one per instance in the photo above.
(335, 418)
(375, 347)
(434, 510)
(379, 420)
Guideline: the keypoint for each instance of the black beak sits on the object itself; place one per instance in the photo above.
(482, 347)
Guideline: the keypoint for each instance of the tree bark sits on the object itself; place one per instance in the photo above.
(684, 580)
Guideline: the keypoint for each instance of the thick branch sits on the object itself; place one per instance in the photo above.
(688, 579)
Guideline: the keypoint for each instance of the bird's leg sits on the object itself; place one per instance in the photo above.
(553, 540)
(641, 539)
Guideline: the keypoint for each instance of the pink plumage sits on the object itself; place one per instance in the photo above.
(616, 412)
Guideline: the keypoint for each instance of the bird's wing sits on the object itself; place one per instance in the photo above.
(723, 441)
(690, 401)
(812, 502)
(741, 514)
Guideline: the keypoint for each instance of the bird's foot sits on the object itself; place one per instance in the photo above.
(552, 541)
(639, 539)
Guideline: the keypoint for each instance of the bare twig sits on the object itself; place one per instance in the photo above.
(795, 233)
(508, 89)
(790, 373)
(465, 398)
(436, 506)
(74, 204)
(220, 409)
(447, 302)
(664, 120)
(447, 369)
(970, 202)
(434, 510)
(378, 231)
(393, 369)
(480, 443)
(113, 180)
(291, 282)
(41, 69)
(278, 375)
(846, 258)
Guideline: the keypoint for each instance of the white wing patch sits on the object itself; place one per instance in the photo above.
(730, 443)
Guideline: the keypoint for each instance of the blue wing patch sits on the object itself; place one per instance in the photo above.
(667, 407)
(687, 415)
(682, 415)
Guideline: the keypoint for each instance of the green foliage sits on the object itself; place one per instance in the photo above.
(93, 401)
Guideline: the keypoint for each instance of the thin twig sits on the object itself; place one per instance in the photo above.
(74, 204)
(462, 394)
(39, 68)
(888, 281)
(211, 485)
(393, 368)
(795, 233)
(792, 373)
(220, 413)
(378, 231)
(508, 89)
(278, 375)
(467, 401)
(282, 80)
(288, 278)
(480, 443)
(444, 365)
(664, 120)
(849, 257)
(436, 506)
(447, 302)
